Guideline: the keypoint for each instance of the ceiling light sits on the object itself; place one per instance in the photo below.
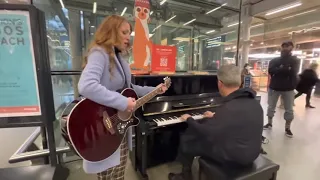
(233, 24)
(124, 10)
(299, 14)
(156, 28)
(297, 52)
(62, 5)
(216, 8)
(171, 18)
(284, 8)
(162, 2)
(228, 32)
(198, 36)
(263, 56)
(94, 7)
(210, 31)
(189, 22)
(257, 25)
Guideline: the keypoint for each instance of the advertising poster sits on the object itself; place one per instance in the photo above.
(16, 1)
(142, 45)
(19, 94)
(164, 58)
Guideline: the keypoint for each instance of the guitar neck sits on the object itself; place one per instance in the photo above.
(141, 101)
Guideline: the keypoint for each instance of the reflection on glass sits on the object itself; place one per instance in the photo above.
(57, 36)
(63, 89)
(219, 46)
(181, 38)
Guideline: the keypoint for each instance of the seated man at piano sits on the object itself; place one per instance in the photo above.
(230, 136)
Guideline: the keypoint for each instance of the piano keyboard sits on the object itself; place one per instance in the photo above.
(175, 119)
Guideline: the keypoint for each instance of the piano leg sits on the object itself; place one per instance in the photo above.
(141, 154)
(144, 157)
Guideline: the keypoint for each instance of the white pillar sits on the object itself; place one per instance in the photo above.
(245, 34)
(75, 45)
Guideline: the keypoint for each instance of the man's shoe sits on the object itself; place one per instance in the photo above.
(267, 126)
(309, 106)
(181, 176)
(289, 133)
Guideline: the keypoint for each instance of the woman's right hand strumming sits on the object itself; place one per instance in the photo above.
(131, 104)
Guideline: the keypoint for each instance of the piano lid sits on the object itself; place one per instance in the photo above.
(181, 84)
(187, 92)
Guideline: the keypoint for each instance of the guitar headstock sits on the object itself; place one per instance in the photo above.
(167, 81)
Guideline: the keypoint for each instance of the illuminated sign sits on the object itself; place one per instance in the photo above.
(214, 42)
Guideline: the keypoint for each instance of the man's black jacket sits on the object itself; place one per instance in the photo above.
(308, 79)
(283, 72)
(233, 135)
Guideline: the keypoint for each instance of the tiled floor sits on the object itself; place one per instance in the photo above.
(298, 157)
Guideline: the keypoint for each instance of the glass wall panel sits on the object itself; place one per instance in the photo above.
(181, 38)
(219, 46)
(57, 35)
(203, 44)
(205, 40)
(63, 89)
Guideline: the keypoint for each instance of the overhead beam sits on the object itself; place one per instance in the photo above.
(267, 5)
(88, 6)
(202, 3)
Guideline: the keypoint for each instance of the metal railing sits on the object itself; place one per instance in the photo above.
(21, 155)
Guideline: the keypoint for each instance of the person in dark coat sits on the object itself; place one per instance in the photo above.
(231, 136)
(283, 71)
(308, 79)
(245, 71)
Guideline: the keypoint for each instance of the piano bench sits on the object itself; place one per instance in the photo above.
(262, 169)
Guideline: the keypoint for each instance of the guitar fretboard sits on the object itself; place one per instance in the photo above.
(146, 98)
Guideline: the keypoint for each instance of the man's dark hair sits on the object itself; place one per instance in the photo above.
(287, 43)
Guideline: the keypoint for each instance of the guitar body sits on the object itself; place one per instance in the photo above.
(96, 131)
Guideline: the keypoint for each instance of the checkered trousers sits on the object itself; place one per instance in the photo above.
(117, 172)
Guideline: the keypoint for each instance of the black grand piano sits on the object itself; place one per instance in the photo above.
(157, 136)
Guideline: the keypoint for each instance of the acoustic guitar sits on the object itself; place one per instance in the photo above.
(96, 131)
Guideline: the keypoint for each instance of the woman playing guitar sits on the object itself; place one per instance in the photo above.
(104, 73)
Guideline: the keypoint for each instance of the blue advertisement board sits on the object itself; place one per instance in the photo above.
(19, 94)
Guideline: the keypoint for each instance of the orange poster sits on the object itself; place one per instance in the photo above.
(163, 58)
(142, 46)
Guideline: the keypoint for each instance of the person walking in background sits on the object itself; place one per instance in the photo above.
(245, 71)
(283, 72)
(308, 79)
